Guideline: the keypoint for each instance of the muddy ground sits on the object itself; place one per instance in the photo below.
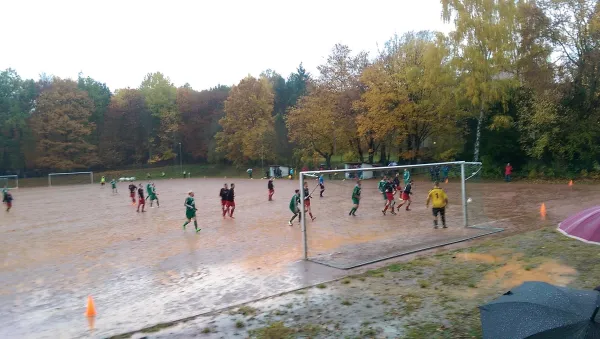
(433, 296)
(58, 245)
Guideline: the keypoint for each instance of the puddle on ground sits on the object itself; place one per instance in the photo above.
(515, 272)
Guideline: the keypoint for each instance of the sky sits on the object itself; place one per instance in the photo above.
(200, 42)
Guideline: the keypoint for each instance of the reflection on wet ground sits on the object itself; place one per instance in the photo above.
(59, 245)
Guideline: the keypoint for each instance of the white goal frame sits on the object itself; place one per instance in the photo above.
(16, 177)
(463, 180)
(50, 175)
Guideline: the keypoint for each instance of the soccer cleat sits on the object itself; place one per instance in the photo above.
(184, 227)
(290, 223)
(408, 209)
(436, 227)
(313, 218)
(198, 230)
(383, 212)
(445, 226)
(393, 213)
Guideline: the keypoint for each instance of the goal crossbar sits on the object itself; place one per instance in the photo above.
(50, 175)
(372, 169)
(11, 176)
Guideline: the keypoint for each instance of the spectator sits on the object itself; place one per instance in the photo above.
(507, 172)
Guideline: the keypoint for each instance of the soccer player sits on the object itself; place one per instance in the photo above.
(389, 195)
(307, 198)
(190, 211)
(230, 205)
(132, 189)
(355, 198)
(406, 196)
(439, 201)
(271, 188)
(381, 187)
(406, 176)
(102, 181)
(7, 198)
(396, 182)
(152, 194)
(249, 171)
(321, 184)
(295, 207)
(113, 184)
(141, 200)
(223, 195)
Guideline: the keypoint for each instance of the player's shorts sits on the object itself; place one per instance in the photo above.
(132, 195)
(307, 202)
(189, 214)
(355, 201)
(223, 202)
(438, 210)
(230, 204)
(322, 186)
(141, 201)
(405, 196)
(9, 204)
(102, 183)
(389, 196)
(271, 192)
(152, 197)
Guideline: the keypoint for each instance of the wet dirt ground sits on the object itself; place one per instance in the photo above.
(58, 245)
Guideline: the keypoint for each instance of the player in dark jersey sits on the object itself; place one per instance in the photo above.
(389, 194)
(307, 198)
(397, 186)
(271, 189)
(230, 202)
(141, 200)
(406, 196)
(223, 195)
(7, 198)
(132, 189)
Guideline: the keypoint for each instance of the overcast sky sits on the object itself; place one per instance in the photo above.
(201, 42)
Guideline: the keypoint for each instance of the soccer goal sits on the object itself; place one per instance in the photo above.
(9, 181)
(72, 178)
(340, 240)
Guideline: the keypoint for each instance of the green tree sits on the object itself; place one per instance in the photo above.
(161, 99)
(248, 131)
(62, 127)
(485, 38)
(100, 95)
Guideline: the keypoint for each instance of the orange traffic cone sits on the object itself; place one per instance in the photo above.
(570, 183)
(543, 210)
(91, 309)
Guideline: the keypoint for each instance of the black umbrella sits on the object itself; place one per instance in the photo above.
(540, 310)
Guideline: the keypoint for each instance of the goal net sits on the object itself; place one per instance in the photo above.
(9, 181)
(73, 178)
(337, 239)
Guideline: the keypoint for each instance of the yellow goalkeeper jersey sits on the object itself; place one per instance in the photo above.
(438, 197)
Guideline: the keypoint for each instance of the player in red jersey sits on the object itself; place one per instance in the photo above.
(271, 189)
(141, 200)
(223, 195)
(132, 189)
(307, 198)
(230, 205)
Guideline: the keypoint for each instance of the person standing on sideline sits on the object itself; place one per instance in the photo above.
(507, 172)
(355, 198)
(113, 184)
(223, 195)
(321, 184)
(230, 206)
(271, 189)
(406, 196)
(190, 211)
(249, 171)
(141, 200)
(439, 200)
(295, 207)
(406, 177)
(307, 201)
(132, 189)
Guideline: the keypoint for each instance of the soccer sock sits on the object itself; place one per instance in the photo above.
(353, 210)
(443, 220)
(195, 224)
(435, 222)
(185, 224)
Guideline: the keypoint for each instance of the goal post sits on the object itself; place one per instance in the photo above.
(74, 178)
(9, 181)
(466, 170)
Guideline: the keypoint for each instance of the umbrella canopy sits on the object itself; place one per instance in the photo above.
(540, 310)
(584, 226)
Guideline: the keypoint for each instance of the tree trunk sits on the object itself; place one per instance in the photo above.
(382, 158)
(361, 157)
(478, 135)
(409, 148)
(371, 150)
(328, 160)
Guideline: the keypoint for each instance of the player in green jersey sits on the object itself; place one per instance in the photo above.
(355, 198)
(295, 207)
(190, 211)
(113, 184)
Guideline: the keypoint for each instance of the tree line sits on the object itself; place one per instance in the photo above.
(516, 81)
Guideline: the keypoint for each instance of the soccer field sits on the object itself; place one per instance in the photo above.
(61, 244)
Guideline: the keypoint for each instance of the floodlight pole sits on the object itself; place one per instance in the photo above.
(303, 217)
(463, 186)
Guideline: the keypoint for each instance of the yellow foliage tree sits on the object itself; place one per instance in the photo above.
(248, 126)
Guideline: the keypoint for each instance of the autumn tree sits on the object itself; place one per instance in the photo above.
(485, 42)
(248, 131)
(161, 99)
(126, 136)
(100, 95)
(61, 125)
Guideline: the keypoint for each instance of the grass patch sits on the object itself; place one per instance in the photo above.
(156, 328)
(245, 311)
(276, 330)
(412, 302)
(240, 324)
(346, 303)
(423, 330)
(310, 330)
(206, 330)
(346, 281)
(423, 283)
(321, 286)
